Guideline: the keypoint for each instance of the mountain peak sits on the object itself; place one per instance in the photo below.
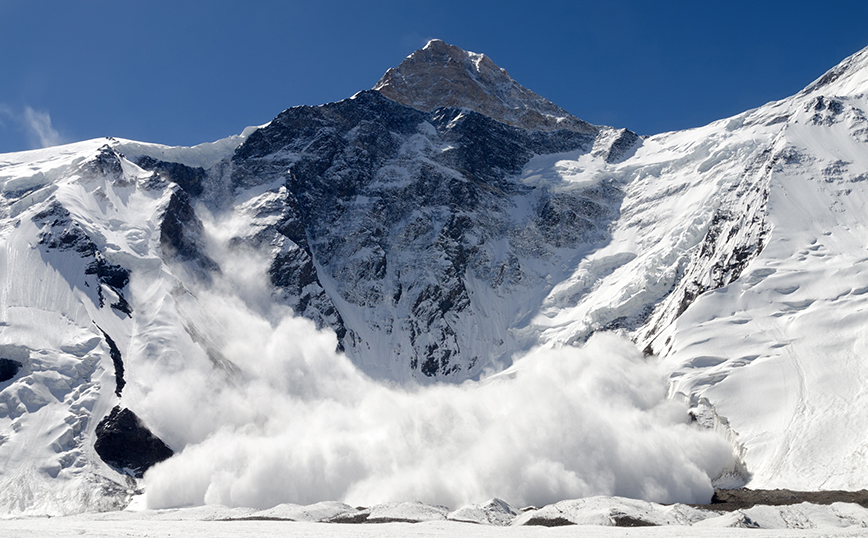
(443, 75)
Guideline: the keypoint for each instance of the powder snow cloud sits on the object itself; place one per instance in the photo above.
(298, 422)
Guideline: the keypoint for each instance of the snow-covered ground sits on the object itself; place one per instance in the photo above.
(593, 517)
(84, 526)
(781, 352)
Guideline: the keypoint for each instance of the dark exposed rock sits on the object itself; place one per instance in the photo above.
(442, 75)
(106, 163)
(739, 499)
(623, 146)
(389, 215)
(61, 232)
(354, 517)
(190, 179)
(826, 111)
(8, 369)
(117, 360)
(292, 271)
(548, 522)
(123, 442)
(630, 521)
(318, 132)
(489, 151)
(617, 519)
(181, 234)
(108, 273)
(366, 180)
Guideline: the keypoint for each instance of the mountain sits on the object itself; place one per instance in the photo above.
(404, 229)
(442, 75)
(436, 230)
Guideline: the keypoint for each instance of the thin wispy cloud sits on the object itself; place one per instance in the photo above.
(39, 129)
(34, 124)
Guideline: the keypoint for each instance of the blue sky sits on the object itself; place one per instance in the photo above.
(183, 72)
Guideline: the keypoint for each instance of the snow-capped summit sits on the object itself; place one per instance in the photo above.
(443, 75)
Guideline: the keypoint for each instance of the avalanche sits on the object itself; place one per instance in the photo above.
(387, 299)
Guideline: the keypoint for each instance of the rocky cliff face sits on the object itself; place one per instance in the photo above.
(400, 219)
(398, 228)
(123, 442)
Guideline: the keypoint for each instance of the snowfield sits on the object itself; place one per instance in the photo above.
(78, 526)
(588, 517)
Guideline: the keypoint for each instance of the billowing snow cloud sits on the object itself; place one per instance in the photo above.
(300, 423)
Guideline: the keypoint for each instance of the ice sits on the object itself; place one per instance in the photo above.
(203, 155)
(563, 171)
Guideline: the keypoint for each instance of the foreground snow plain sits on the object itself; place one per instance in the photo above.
(803, 520)
(69, 527)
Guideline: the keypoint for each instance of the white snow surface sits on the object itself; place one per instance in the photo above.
(265, 415)
(203, 155)
(781, 351)
(587, 517)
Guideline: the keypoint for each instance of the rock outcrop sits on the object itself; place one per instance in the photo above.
(126, 444)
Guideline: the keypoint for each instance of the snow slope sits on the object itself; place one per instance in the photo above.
(77, 222)
(743, 244)
(56, 303)
(782, 351)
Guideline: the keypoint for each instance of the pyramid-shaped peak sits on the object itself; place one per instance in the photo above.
(444, 75)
